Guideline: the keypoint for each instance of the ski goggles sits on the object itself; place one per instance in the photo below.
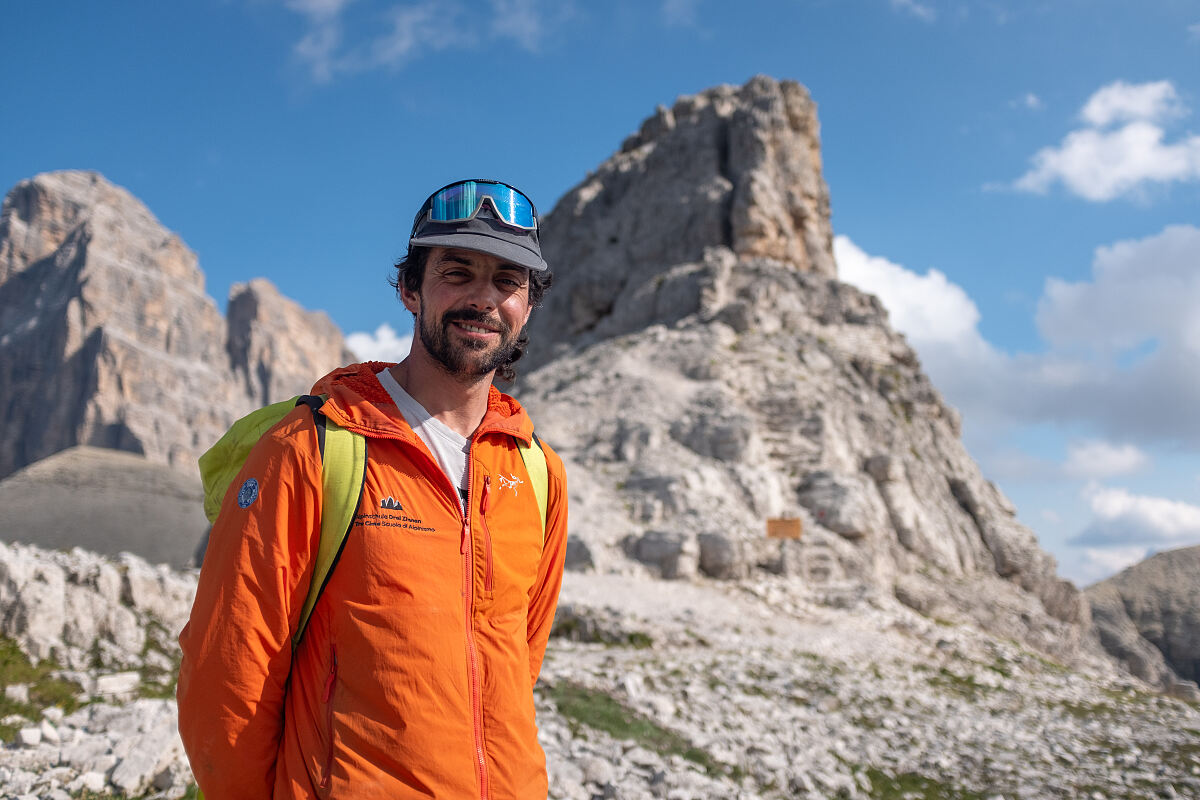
(461, 201)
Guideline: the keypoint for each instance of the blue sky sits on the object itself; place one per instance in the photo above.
(1020, 182)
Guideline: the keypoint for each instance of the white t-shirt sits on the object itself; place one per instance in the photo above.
(448, 447)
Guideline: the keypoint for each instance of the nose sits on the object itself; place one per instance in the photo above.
(484, 296)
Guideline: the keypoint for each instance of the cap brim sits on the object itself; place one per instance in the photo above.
(483, 243)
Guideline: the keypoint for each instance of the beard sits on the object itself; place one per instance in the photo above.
(468, 358)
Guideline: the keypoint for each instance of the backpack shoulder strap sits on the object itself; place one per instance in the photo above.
(535, 464)
(343, 468)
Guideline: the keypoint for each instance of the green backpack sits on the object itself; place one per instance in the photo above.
(343, 467)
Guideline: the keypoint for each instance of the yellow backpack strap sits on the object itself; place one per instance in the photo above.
(535, 464)
(343, 467)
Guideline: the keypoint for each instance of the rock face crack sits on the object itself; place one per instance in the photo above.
(966, 500)
(725, 212)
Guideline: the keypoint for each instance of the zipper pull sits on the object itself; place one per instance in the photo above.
(462, 548)
(487, 493)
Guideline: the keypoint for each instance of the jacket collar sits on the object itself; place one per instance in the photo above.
(357, 401)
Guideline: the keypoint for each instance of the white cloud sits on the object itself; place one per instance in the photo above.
(1124, 102)
(519, 20)
(926, 308)
(1098, 459)
(939, 320)
(382, 345)
(921, 11)
(1030, 101)
(411, 28)
(679, 13)
(1122, 353)
(1100, 163)
(1141, 291)
(1098, 563)
(1123, 519)
(337, 43)
(1194, 31)
(318, 9)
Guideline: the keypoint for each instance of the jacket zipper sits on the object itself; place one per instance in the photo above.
(488, 575)
(327, 699)
(466, 549)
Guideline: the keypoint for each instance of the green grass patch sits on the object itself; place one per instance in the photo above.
(579, 629)
(45, 690)
(599, 711)
(1048, 664)
(158, 682)
(1001, 667)
(1130, 696)
(1085, 710)
(911, 786)
(962, 685)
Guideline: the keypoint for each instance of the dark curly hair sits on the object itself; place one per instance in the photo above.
(410, 274)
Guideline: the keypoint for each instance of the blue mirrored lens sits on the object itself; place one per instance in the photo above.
(463, 200)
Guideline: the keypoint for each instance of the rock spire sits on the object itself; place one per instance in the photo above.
(736, 169)
(702, 370)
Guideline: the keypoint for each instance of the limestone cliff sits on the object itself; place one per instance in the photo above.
(703, 370)
(1148, 617)
(108, 339)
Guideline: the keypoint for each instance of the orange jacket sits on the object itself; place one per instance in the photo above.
(415, 675)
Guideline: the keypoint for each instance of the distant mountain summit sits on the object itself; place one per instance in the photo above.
(108, 339)
(703, 371)
(1148, 616)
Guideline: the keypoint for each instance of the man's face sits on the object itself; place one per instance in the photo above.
(470, 310)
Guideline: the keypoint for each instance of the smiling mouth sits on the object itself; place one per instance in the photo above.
(466, 326)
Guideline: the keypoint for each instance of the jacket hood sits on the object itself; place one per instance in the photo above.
(357, 400)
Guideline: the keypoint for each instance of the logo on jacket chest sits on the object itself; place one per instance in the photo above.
(391, 514)
(510, 482)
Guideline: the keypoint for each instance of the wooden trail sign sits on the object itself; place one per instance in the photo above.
(784, 528)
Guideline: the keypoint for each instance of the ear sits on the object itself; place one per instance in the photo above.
(411, 299)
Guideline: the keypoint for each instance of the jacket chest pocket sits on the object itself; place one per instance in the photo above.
(511, 537)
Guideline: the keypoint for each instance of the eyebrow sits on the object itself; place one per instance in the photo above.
(469, 261)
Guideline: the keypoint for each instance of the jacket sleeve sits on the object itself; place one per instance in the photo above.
(237, 642)
(543, 597)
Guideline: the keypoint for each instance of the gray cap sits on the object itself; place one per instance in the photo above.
(483, 233)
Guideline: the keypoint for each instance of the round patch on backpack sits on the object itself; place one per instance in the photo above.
(247, 493)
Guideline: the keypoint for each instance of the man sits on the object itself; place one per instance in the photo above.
(414, 676)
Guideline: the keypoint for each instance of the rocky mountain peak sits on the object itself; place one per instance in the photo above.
(41, 214)
(732, 172)
(703, 371)
(273, 342)
(1148, 616)
(108, 339)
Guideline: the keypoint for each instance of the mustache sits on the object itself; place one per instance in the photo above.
(470, 315)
